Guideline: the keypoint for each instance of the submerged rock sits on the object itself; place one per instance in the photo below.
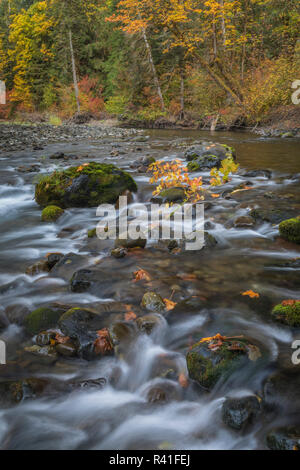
(258, 173)
(148, 323)
(84, 186)
(288, 312)
(287, 438)
(237, 413)
(153, 302)
(208, 155)
(290, 230)
(13, 392)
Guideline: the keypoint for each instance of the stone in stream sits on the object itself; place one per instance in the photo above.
(257, 173)
(51, 213)
(85, 186)
(288, 312)
(208, 155)
(82, 326)
(290, 230)
(282, 389)
(216, 358)
(285, 438)
(153, 302)
(273, 216)
(119, 252)
(148, 323)
(237, 413)
(44, 265)
(95, 280)
(43, 354)
(171, 195)
(244, 222)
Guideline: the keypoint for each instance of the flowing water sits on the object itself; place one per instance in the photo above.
(206, 285)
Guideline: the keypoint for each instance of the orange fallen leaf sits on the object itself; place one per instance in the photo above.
(80, 168)
(212, 338)
(169, 304)
(141, 275)
(215, 195)
(102, 344)
(251, 294)
(289, 302)
(183, 380)
(129, 316)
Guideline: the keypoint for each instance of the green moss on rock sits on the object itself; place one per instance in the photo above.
(83, 186)
(287, 314)
(92, 233)
(193, 166)
(41, 319)
(290, 230)
(207, 366)
(51, 213)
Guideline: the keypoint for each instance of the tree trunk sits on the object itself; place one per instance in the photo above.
(223, 25)
(74, 72)
(156, 81)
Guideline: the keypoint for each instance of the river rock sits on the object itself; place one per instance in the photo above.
(288, 313)
(237, 413)
(153, 302)
(208, 155)
(51, 213)
(285, 438)
(244, 222)
(170, 195)
(210, 361)
(290, 230)
(257, 173)
(43, 318)
(13, 392)
(273, 216)
(85, 186)
(82, 325)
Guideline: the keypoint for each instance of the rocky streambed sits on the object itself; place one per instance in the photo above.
(144, 345)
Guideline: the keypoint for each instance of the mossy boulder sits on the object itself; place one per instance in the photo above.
(290, 230)
(212, 360)
(208, 155)
(288, 313)
(43, 318)
(84, 186)
(51, 213)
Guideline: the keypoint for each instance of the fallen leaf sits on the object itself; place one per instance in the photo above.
(251, 294)
(129, 316)
(253, 352)
(183, 380)
(169, 304)
(215, 195)
(289, 302)
(141, 275)
(102, 344)
(187, 277)
(80, 168)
